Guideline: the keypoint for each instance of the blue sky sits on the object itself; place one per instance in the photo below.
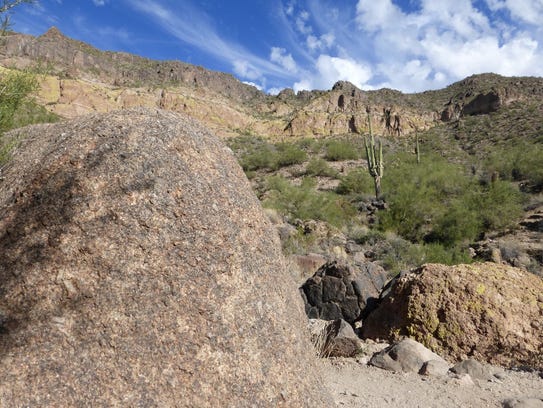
(410, 45)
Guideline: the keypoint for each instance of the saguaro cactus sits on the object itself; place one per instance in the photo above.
(374, 157)
(417, 148)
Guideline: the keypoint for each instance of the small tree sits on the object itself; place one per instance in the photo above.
(5, 8)
(374, 157)
(15, 88)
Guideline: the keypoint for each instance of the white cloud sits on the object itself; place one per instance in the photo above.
(190, 25)
(280, 56)
(321, 43)
(301, 23)
(330, 69)
(483, 55)
(274, 91)
(377, 15)
(289, 10)
(530, 11)
(259, 87)
(246, 70)
(99, 3)
(437, 43)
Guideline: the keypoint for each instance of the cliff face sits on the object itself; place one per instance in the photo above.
(76, 59)
(82, 79)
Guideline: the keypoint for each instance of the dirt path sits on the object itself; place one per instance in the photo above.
(355, 385)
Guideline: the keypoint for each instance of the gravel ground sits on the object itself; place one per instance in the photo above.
(358, 385)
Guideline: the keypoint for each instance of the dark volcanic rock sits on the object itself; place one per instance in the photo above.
(340, 291)
(134, 259)
(483, 104)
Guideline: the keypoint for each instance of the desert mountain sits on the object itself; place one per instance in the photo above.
(481, 117)
(79, 78)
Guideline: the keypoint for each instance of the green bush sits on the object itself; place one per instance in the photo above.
(255, 153)
(439, 202)
(30, 113)
(460, 223)
(310, 145)
(521, 162)
(320, 167)
(500, 205)
(15, 89)
(398, 254)
(338, 150)
(288, 154)
(305, 203)
(418, 194)
(261, 157)
(358, 181)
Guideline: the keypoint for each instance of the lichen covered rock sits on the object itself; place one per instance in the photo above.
(490, 312)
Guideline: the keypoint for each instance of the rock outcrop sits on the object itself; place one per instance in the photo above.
(490, 312)
(72, 58)
(138, 269)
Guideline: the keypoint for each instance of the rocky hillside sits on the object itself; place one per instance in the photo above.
(79, 78)
(488, 124)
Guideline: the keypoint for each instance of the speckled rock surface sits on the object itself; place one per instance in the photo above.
(134, 262)
(489, 312)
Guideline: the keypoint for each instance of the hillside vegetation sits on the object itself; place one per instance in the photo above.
(473, 192)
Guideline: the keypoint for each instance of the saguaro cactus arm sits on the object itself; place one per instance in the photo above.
(374, 158)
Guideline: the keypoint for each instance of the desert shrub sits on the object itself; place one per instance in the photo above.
(255, 153)
(30, 113)
(288, 154)
(16, 107)
(15, 89)
(310, 145)
(258, 158)
(320, 167)
(419, 194)
(398, 254)
(438, 202)
(305, 203)
(499, 205)
(298, 243)
(338, 150)
(459, 223)
(521, 162)
(358, 181)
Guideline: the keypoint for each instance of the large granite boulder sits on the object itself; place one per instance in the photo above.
(138, 269)
(489, 312)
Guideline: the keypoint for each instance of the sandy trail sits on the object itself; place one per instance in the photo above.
(356, 385)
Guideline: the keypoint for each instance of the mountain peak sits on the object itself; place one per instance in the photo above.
(53, 32)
